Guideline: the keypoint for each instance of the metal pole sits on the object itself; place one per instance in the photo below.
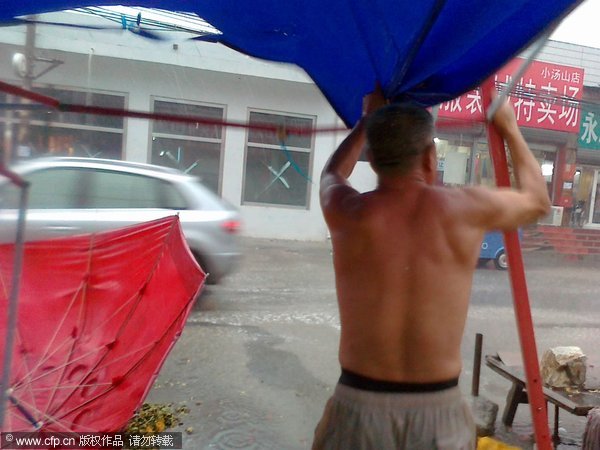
(8, 135)
(556, 435)
(11, 321)
(477, 365)
(519, 289)
(536, 49)
(23, 140)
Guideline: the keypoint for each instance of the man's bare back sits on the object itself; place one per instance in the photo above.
(403, 282)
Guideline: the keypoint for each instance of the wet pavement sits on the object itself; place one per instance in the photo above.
(258, 357)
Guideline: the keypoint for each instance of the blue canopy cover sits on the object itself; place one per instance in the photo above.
(426, 51)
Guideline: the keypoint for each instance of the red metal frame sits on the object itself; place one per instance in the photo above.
(521, 304)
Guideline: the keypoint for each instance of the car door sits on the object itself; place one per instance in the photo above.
(54, 204)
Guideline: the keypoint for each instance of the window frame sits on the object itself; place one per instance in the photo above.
(310, 150)
(188, 138)
(14, 120)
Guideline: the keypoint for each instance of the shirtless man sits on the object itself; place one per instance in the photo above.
(404, 256)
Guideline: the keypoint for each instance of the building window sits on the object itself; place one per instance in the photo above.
(278, 173)
(483, 169)
(3, 151)
(595, 200)
(42, 131)
(453, 163)
(190, 147)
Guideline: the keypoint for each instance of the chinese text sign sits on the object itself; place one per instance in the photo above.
(589, 132)
(547, 96)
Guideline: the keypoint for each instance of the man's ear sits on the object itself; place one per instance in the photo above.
(367, 154)
(429, 163)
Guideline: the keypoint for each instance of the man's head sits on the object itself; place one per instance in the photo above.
(398, 137)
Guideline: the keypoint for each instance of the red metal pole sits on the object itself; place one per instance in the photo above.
(521, 304)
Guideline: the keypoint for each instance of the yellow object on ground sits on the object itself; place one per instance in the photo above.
(487, 443)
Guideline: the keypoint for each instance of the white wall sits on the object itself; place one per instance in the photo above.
(574, 55)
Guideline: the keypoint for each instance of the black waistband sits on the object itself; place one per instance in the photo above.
(357, 381)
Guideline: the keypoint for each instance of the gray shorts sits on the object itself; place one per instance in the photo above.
(356, 419)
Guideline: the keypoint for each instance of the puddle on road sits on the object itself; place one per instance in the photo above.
(234, 417)
(276, 367)
(243, 437)
(242, 427)
(521, 434)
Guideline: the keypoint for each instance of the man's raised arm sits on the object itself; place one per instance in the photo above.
(528, 173)
(334, 185)
(510, 208)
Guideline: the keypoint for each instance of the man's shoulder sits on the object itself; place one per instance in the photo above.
(446, 195)
(349, 206)
(455, 201)
(457, 194)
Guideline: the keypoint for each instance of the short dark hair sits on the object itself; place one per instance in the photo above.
(396, 135)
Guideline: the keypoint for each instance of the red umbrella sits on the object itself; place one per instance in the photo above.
(97, 317)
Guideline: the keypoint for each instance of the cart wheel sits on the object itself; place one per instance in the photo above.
(481, 262)
(501, 261)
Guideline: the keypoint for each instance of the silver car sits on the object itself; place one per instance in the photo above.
(84, 195)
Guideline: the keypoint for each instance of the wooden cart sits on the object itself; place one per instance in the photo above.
(578, 402)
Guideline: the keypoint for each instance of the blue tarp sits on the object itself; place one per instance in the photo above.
(426, 51)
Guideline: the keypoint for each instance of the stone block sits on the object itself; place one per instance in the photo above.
(563, 367)
(484, 413)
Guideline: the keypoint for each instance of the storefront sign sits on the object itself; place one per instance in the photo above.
(545, 97)
(589, 132)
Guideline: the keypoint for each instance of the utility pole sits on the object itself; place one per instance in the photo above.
(7, 138)
(18, 139)
(18, 143)
(24, 135)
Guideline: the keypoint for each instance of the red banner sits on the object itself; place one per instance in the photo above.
(546, 97)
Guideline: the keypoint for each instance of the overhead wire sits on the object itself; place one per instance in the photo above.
(45, 102)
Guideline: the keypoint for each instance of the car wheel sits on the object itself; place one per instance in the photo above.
(501, 261)
(201, 262)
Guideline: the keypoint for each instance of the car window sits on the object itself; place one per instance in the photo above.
(123, 190)
(9, 195)
(57, 188)
(170, 197)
